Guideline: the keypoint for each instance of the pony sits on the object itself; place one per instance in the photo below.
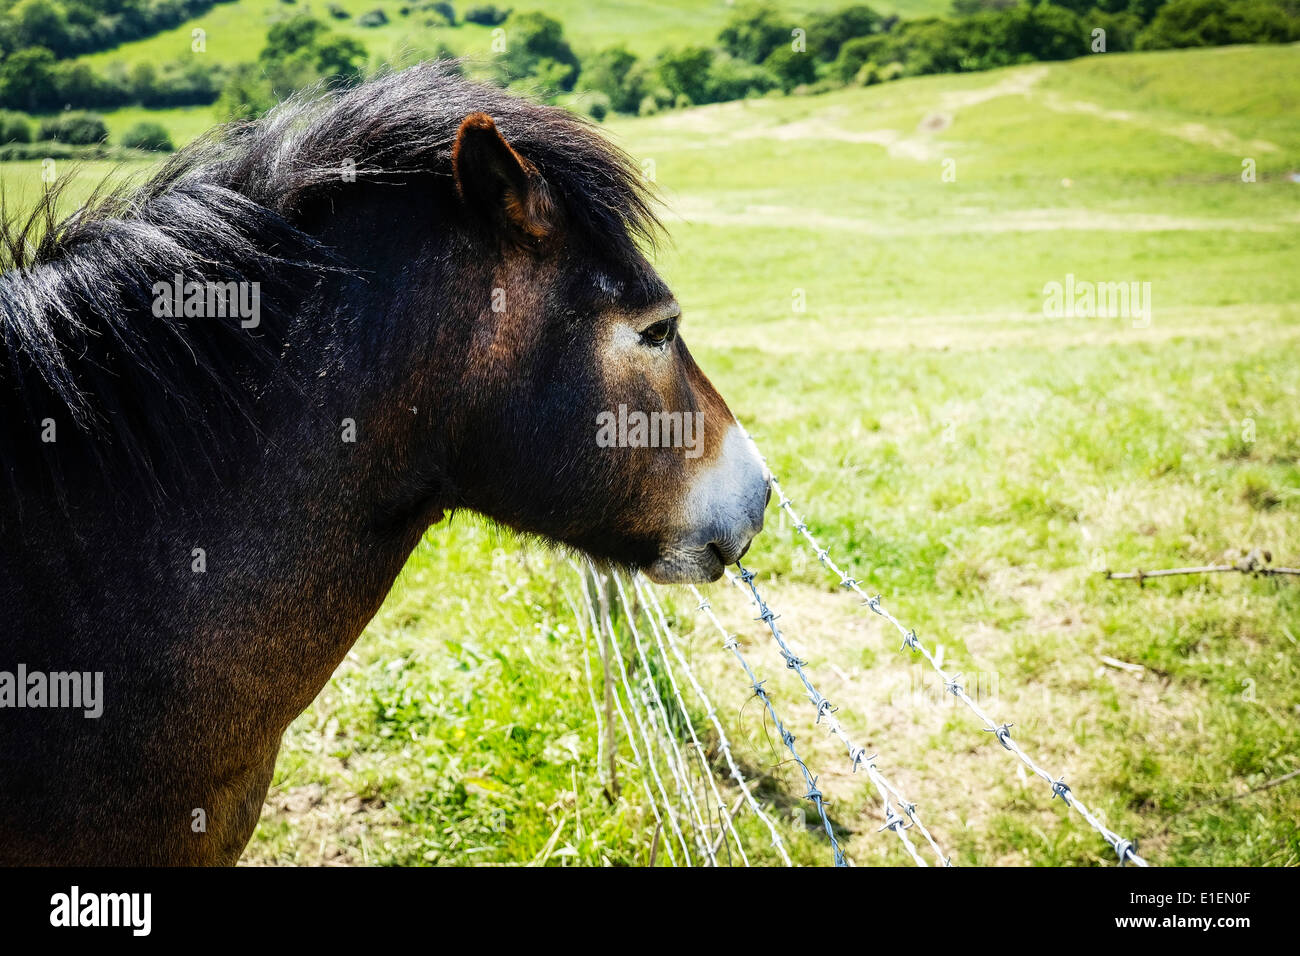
(233, 399)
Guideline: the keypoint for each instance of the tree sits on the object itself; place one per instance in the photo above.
(42, 23)
(535, 38)
(1189, 23)
(1044, 32)
(613, 72)
(27, 80)
(968, 8)
(143, 82)
(827, 32)
(300, 32)
(341, 57)
(791, 68)
(246, 95)
(730, 78)
(685, 72)
(77, 84)
(856, 53)
(298, 52)
(753, 32)
(488, 15)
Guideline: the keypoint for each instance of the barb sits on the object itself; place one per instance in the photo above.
(723, 743)
(1123, 848)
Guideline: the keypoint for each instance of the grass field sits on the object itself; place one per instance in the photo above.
(970, 458)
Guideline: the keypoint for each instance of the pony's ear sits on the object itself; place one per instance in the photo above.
(495, 181)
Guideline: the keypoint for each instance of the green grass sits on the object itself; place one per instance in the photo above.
(183, 122)
(970, 459)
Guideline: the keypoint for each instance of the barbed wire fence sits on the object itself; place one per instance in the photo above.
(683, 778)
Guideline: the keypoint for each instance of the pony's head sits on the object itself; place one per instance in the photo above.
(583, 416)
(421, 244)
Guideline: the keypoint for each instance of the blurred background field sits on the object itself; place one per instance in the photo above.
(972, 459)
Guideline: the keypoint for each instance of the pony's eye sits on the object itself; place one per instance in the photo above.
(660, 333)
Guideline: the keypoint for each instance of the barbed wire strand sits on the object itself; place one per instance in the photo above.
(686, 801)
(669, 806)
(858, 755)
(731, 643)
(627, 727)
(651, 600)
(1124, 849)
(656, 699)
(591, 686)
(907, 806)
(725, 822)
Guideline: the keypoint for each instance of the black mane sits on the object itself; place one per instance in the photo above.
(130, 392)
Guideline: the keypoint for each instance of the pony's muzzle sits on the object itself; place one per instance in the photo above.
(725, 513)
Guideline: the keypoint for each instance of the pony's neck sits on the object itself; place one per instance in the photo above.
(277, 567)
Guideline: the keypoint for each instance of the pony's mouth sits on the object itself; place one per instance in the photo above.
(695, 565)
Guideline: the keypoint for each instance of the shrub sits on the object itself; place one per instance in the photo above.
(246, 95)
(685, 72)
(1121, 29)
(27, 80)
(753, 32)
(790, 68)
(1189, 23)
(732, 79)
(338, 13)
(341, 59)
(615, 73)
(488, 15)
(186, 83)
(14, 128)
(150, 136)
(827, 32)
(374, 18)
(868, 75)
(539, 53)
(51, 150)
(75, 129)
(857, 53)
(598, 106)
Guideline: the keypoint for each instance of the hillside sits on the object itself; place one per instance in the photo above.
(971, 457)
(644, 26)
